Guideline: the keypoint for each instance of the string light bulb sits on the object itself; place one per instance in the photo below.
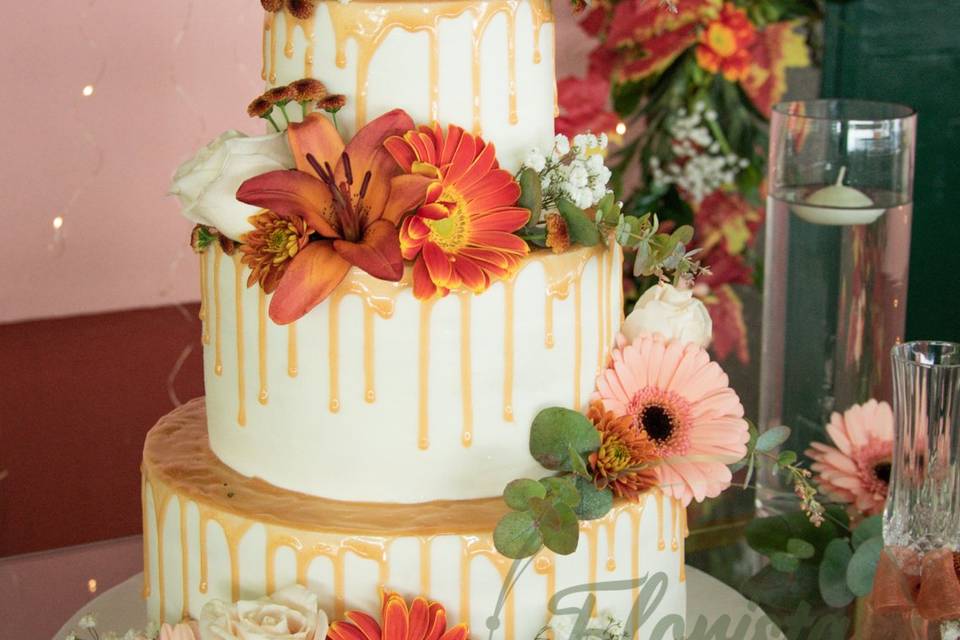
(87, 90)
(92, 585)
(57, 223)
(621, 128)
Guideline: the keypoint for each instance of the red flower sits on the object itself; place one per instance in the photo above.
(778, 46)
(463, 233)
(423, 620)
(351, 196)
(729, 328)
(584, 106)
(725, 43)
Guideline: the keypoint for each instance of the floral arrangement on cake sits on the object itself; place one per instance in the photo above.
(303, 206)
(692, 89)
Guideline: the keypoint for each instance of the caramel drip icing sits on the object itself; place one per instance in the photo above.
(683, 542)
(636, 515)
(268, 20)
(218, 326)
(548, 321)
(545, 565)
(161, 499)
(512, 64)
(204, 300)
(426, 542)
(423, 432)
(611, 528)
(145, 591)
(241, 369)
(675, 509)
(306, 26)
(264, 395)
(270, 26)
(661, 545)
(184, 559)
(559, 276)
(204, 565)
(368, 24)
(508, 351)
(466, 384)
(370, 393)
(333, 349)
(292, 350)
(474, 546)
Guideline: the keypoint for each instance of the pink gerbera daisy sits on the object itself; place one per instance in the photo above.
(857, 470)
(681, 401)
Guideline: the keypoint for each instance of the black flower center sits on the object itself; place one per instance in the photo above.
(657, 422)
(881, 471)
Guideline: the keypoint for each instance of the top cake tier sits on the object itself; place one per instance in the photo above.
(484, 65)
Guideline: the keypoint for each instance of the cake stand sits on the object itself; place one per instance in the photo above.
(711, 606)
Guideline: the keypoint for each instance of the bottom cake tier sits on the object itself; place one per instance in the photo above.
(212, 533)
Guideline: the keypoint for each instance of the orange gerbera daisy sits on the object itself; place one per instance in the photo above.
(463, 233)
(725, 43)
(423, 620)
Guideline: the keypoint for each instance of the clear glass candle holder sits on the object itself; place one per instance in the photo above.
(923, 505)
(836, 253)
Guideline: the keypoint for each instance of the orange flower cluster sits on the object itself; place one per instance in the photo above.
(624, 460)
(724, 44)
(423, 620)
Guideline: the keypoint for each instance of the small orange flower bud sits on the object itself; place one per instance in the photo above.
(259, 108)
(309, 90)
(301, 9)
(280, 95)
(332, 104)
(558, 236)
(272, 5)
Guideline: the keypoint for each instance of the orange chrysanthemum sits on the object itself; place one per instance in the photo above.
(622, 462)
(725, 43)
(270, 247)
(423, 620)
(463, 234)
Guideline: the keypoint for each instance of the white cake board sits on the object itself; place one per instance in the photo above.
(708, 601)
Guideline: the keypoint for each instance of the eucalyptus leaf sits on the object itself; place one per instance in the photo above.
(581, 228)
(786, 458)
(594, 503)
(560, 530)
(577, 463)
(556, 432)
(517, 535)
(683, 234)
(563, 490)
(800, 548)
(863, 566)
(518, 493)
(531, 195)
(868, 528)
(772, 438)
(833, 574)
(784, 562)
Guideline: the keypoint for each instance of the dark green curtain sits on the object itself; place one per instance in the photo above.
(908, 51)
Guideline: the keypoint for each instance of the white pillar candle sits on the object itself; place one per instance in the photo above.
(838, 204)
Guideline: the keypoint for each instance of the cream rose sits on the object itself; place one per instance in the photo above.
(207, 184)
(289, 614)
(671, 312)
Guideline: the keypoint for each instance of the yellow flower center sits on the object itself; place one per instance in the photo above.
(451, 233)
(721, 39)
(614, 455)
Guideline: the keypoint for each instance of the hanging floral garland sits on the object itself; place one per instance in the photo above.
(692, 84)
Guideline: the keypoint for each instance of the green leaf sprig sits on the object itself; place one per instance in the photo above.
(547, 512)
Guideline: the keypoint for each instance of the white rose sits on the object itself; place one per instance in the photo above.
(671, 312)
(207, 184)
(289, 614)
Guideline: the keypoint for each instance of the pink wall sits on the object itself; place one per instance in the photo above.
(166, 77)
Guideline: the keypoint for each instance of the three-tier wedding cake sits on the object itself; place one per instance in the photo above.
(408, 292)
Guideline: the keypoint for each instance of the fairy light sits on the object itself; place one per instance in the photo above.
(621, 128)
(57, 223)
(92, 585)
(87, 91)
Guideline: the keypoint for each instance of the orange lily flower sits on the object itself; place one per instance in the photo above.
(423, 620)
(463, 233)
(350, 195)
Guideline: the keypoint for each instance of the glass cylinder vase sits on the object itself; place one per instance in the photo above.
(836, 251)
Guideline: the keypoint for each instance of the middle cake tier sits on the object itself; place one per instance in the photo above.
(375, 396)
